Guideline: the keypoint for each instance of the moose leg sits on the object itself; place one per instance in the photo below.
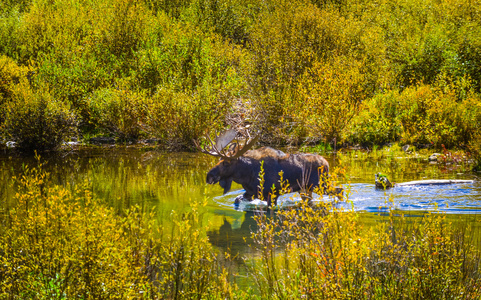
(238, 199)
(226, 184)
(245, 197)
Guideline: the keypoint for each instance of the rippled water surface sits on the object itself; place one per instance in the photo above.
(457, 198)
(454, 198)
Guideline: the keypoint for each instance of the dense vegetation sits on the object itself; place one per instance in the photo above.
(367, 72)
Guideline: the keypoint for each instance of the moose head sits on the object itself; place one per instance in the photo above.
(229, 149)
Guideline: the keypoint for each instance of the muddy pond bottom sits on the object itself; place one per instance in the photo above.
(459, 198)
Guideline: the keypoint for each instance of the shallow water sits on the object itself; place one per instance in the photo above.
(171, 181)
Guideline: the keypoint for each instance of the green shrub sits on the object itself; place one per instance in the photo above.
(10, 22)
(173, 8)
(475, 148)
(74, 77)
(108, 28)
(177, 118)
(470, 54)
(228, 18)
(120, 112)
(34, 120)
(377, 122)
(268, 55)
(287, 38)
(182, 57)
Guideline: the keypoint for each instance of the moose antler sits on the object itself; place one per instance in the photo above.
(224, 139)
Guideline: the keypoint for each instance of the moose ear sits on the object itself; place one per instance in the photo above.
(226, 184)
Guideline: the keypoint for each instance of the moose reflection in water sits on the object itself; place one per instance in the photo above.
(302, 171)
(236, 239)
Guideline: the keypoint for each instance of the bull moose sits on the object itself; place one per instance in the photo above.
(302, 171)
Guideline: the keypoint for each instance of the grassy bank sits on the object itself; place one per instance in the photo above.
(352, 72)
(62, 242)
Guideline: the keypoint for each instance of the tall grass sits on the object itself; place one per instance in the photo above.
(321, 251)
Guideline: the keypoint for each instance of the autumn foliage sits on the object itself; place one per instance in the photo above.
(320, 71)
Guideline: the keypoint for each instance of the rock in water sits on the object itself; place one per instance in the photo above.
(382, 182)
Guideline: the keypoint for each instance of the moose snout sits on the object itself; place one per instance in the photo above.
(211, 179)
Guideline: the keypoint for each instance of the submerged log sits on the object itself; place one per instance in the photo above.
(434, 182)
(383, 183)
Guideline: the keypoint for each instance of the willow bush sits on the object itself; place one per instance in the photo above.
(35, 120)
(11, 74)
(192, 115)
(330, 94)
(475, 147)
(287, 38)
(377, 123)
(444, 114)
(121, 112)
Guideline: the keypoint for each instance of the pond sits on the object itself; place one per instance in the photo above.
(123, 177)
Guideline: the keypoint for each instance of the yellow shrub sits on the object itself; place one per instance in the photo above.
(329, 95)
(323, 252)
(432, 115)
(10, 74)
(62, 242)
(443, 114)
